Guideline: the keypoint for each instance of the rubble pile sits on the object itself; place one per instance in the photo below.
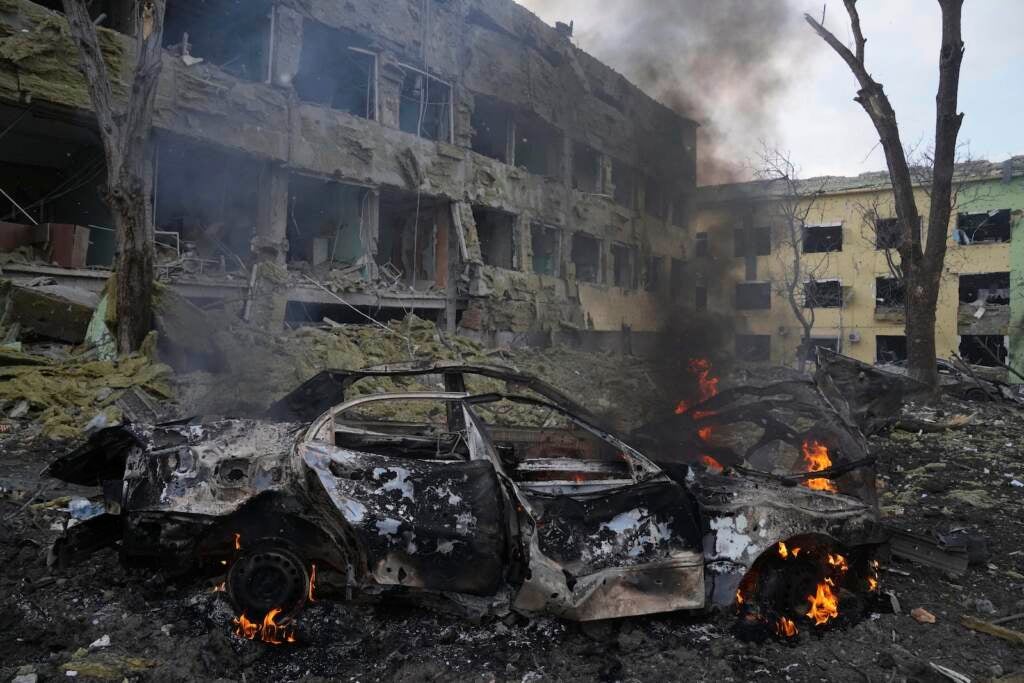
(57, 399)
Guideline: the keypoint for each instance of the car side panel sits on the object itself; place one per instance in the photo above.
(435, 525)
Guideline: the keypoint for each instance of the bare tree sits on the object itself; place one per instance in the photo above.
(126, 135)
(792, 202)
(921, 260)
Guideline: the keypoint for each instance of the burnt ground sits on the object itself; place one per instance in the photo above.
(953, 479)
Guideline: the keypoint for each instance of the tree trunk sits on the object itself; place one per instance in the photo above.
(127, 137)
(135, 261)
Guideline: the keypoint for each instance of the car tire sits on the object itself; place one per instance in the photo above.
(267, 578)
(977, 394)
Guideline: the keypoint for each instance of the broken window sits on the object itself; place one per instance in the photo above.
(586, 256)
(654, 267)
(887, 233)
(546, 249)
(655, 199)
(823, 294)
(490, 121)
(988, 350)
(889, 292)
(754, 348)
(538, 146)
(425, 107)
(624, 180)
(820, 239)
(586, 168)
(326, 220)
(676, 276)
(413, 238)
(207, 196)
(701, 245)
(752, 242)
(810, 347)
(890, 348)
(700, 297)
(232, 35)
(53, 168)
(991, 226)
(986, 288)
(623, 259)
(496, 232)
(336, 70)
(753, 296)
(680, 211)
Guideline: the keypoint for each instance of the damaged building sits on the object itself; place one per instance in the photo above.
(847, 248)
(461, 160)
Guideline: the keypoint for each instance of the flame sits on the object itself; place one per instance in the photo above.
(786, 628)
(312, 582)
(824, 605)
(739, 597)
(817, 458)
(839, 562)
(872, 583)
(707, 387)
(269, 631)
(712, 464)
(219, 588)
(238, 541)
(783, 550)
(704, 433)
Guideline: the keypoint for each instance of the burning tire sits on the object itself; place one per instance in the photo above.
(802, 583)
(269, 580)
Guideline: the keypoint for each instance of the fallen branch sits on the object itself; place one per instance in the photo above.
(1007, 634)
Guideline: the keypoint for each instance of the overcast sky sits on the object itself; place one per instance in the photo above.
(814, 116)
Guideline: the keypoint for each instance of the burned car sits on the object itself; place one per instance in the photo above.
(485, 501)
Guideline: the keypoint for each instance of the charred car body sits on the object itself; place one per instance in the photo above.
(555, 515)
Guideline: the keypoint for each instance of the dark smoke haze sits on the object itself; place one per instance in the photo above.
(729, 64)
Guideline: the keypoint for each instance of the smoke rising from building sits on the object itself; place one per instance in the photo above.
(726, 63)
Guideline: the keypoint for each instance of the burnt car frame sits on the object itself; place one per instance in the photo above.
(569, 520)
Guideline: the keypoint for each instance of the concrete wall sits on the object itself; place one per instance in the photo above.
(492, 48)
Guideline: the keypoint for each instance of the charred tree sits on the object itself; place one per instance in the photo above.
(921, 258)
(126, 136)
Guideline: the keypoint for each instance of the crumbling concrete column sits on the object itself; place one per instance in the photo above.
(271, 241)
(287, 42)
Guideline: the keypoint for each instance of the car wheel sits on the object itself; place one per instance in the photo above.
(268, 578)
(976, 394)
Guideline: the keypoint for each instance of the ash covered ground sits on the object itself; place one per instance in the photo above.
(108, 623)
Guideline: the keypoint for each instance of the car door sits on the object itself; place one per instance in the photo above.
(602, 541)
(436, 521)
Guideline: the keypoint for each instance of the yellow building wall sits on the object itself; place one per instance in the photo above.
(856, 267)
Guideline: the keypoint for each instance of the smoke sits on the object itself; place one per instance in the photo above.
(729, 64)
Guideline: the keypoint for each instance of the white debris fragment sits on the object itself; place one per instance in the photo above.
(387, 527)
(730, 541)
(101, 642)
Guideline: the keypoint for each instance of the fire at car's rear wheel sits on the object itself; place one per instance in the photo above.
(267, 579)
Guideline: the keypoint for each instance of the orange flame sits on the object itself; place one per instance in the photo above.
(872, 584)
(786, 628)
(783, 550)
(817, 458)
(739, 597)
(712, 464)
(839, 562)
(269, 631)
(824, 605)
(312, 582)
(238, 541)
(707, 386)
